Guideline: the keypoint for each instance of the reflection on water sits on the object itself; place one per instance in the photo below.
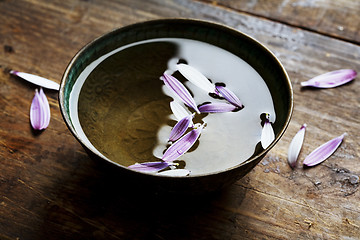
(124, 106)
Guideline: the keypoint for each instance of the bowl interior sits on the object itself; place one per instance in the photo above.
(121, 103)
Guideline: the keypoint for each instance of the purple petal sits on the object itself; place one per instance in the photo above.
(175, 173)
(179, 89)
(229, 96)
(331, 79)
(149, 166)
(267, 133)
(35, 111)
(323, 152)
(40, 81)
(196, 77)
(217, 108)
(39, 111)
(182, 145)
(180, 128)
(295, 146)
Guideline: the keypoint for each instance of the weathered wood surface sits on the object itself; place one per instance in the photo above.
(338, 18)
(51, 190)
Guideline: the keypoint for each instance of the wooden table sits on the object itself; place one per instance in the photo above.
(50, 189)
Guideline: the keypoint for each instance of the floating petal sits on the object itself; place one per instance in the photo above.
(40, 81)
(179, 89)
(295, 146)
(182, 145)
(323, 152)
(196, 77)
(39, 111)
(175, 173)
(229, 96)
(267, 133)
(149, 166)
(179, 111)
(331, 79)
(180, 128)
(217, 108)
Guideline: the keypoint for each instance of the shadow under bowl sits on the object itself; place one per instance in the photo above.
(103, 92)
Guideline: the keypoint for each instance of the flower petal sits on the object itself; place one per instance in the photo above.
(182, 145)
(323, 152)
(149, 166)
(35, 111)
(229, 96)
(295, 146)
(175, 173)
(180, 128)
(39, 111)
(217, 108)
(46, 108)
(267, 133)
(196, 77)
(179, 89)
(331, 79)
(179, 111)
(40, 81)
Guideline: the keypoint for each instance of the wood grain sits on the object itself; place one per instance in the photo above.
(51, 190)
(338, 19)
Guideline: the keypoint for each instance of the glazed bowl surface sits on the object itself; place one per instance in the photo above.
(107, 98)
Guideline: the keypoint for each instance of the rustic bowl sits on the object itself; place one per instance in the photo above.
(240, 44)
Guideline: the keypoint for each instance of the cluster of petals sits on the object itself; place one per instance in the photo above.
(318, 155)
(181, 139)
(327, 80)
(181, 142)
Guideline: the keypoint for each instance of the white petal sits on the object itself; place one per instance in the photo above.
(40, 81)
(175, 173)
(179, 111)
(46, 108)
(267, 135)
(196, 77)
(295, 146)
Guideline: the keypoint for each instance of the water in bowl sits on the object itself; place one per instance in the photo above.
(121, 107)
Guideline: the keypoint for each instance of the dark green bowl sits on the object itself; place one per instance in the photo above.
(247, 48)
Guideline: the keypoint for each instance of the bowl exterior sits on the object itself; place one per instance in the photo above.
(240, 44)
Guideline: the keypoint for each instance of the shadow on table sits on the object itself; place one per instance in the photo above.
(92, 204)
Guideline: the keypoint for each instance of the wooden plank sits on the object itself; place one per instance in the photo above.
(339, 19)
(49, 188)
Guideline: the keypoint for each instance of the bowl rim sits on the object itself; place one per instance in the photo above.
(213, 24)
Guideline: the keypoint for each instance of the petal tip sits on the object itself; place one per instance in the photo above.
(304, 84)
(13, 72)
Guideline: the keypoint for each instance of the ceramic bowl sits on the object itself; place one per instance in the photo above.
(103, 92)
